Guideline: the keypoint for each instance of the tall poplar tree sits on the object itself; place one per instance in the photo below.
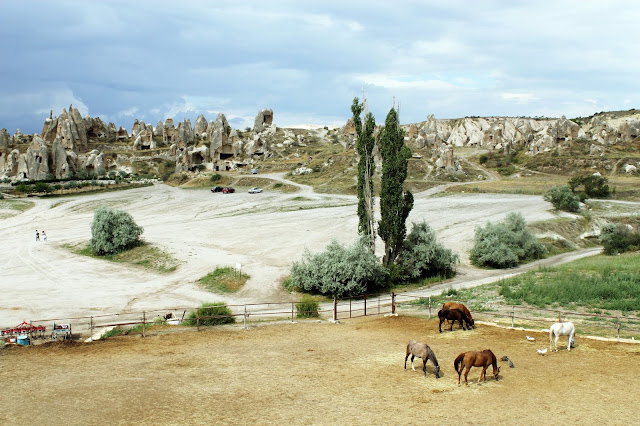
(364, 144)
(395, 203)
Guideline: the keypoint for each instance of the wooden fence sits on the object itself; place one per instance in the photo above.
(352, 307)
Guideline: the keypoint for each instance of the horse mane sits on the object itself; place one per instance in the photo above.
(432, 356)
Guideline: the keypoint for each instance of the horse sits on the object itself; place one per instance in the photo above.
(454, 305)
(453, 315)
(476, 359)
(558, 329)
(423, 351)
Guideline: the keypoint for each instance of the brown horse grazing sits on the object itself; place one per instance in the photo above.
(423, 351)
(453, 315)
(454, 305)
(476, 359)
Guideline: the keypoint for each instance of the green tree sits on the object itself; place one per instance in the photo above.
(113, 231)
(395, 203)
(505, 244)
(364, 144)
(214, 313)
(338, 271)
(423, 256)
(618, 238)
(590, 186)
(563, 198)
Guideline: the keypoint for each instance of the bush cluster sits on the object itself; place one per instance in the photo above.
(618, 238)
(218, 310)
(307, 308)
(423, 256)
(505, 244)
(590, 186)
(562, 198)
(113, 231)
(338, 271)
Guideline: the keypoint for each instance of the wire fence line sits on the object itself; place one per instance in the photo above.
(410, 303)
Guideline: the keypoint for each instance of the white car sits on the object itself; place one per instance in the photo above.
(255, 190)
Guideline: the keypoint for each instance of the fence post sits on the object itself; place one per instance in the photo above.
(513, 316)
(91, 328)
(197, 319)
(429, 307)
(618, 329)
(559, 316)
(365, 306)
(245, 316)
(393, 303)
(350, 299)
(378, 304)
(292, 311)
(335, 308)
(144, 320)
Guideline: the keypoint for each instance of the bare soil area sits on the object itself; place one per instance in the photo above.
(264, 233)
(315, 373)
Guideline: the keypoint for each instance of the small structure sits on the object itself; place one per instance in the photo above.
(61, 330)
(23, 333)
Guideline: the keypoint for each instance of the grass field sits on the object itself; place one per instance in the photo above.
(145, 256)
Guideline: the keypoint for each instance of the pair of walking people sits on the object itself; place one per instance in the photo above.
(44, 236)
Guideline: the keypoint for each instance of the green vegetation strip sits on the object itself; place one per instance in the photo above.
(145, 255)
(224, 280)
(601, 282)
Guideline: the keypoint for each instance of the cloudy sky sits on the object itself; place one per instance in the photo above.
(306, 60)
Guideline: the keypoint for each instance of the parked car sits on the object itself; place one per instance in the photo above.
(228, 190)
(216, 189)
(255, 190)
(254, 171)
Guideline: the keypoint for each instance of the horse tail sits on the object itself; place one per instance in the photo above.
(458, 360)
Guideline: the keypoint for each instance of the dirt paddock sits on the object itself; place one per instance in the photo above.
(315, 373)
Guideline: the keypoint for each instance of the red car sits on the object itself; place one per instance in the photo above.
(228, 190)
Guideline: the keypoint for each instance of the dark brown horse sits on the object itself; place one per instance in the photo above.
(454, 305)
(476, 359)
(423, 351)
(453, 315)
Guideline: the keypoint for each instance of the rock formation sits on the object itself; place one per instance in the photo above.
(263, 119)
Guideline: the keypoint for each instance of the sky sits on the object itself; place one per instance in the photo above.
(307, 60)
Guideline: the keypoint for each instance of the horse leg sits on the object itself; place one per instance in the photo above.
(440, 325)
(483, 374)
(452, 322)
(405, 360)
(412, 357)
(461, 324)
(424, 366)
(555, 341)
(569, 341)
(466, 373)
(460, 372)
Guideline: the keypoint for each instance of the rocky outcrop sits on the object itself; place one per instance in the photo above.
(34, 164)
(60, 165)
(185, 134)
(263, 119)
(169, 134)
(221, 132)
(200, 128)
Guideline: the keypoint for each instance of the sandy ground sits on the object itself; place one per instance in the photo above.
(315, 373)
(264, 233)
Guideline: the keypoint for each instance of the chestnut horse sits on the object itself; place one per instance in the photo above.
(476, 359)
(454, 305)
(453, 315)
(423, 351)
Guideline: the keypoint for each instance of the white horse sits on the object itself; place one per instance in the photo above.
(562, 329)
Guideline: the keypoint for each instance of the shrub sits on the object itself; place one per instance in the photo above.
(562, 198)
(422, 256)
(592, 186)
(618, 238)
(215, 178)
(24, 188)
(113, 231)
(307, 308)
(338, 271)
(505, 244)
(483, 158)
(218, 310)
(42, 187)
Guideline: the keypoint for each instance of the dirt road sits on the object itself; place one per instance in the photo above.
(264, 233)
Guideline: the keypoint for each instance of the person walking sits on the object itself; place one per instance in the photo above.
(44, 237)
(37, 235)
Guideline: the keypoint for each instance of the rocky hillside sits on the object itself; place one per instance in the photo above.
(70, 143)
